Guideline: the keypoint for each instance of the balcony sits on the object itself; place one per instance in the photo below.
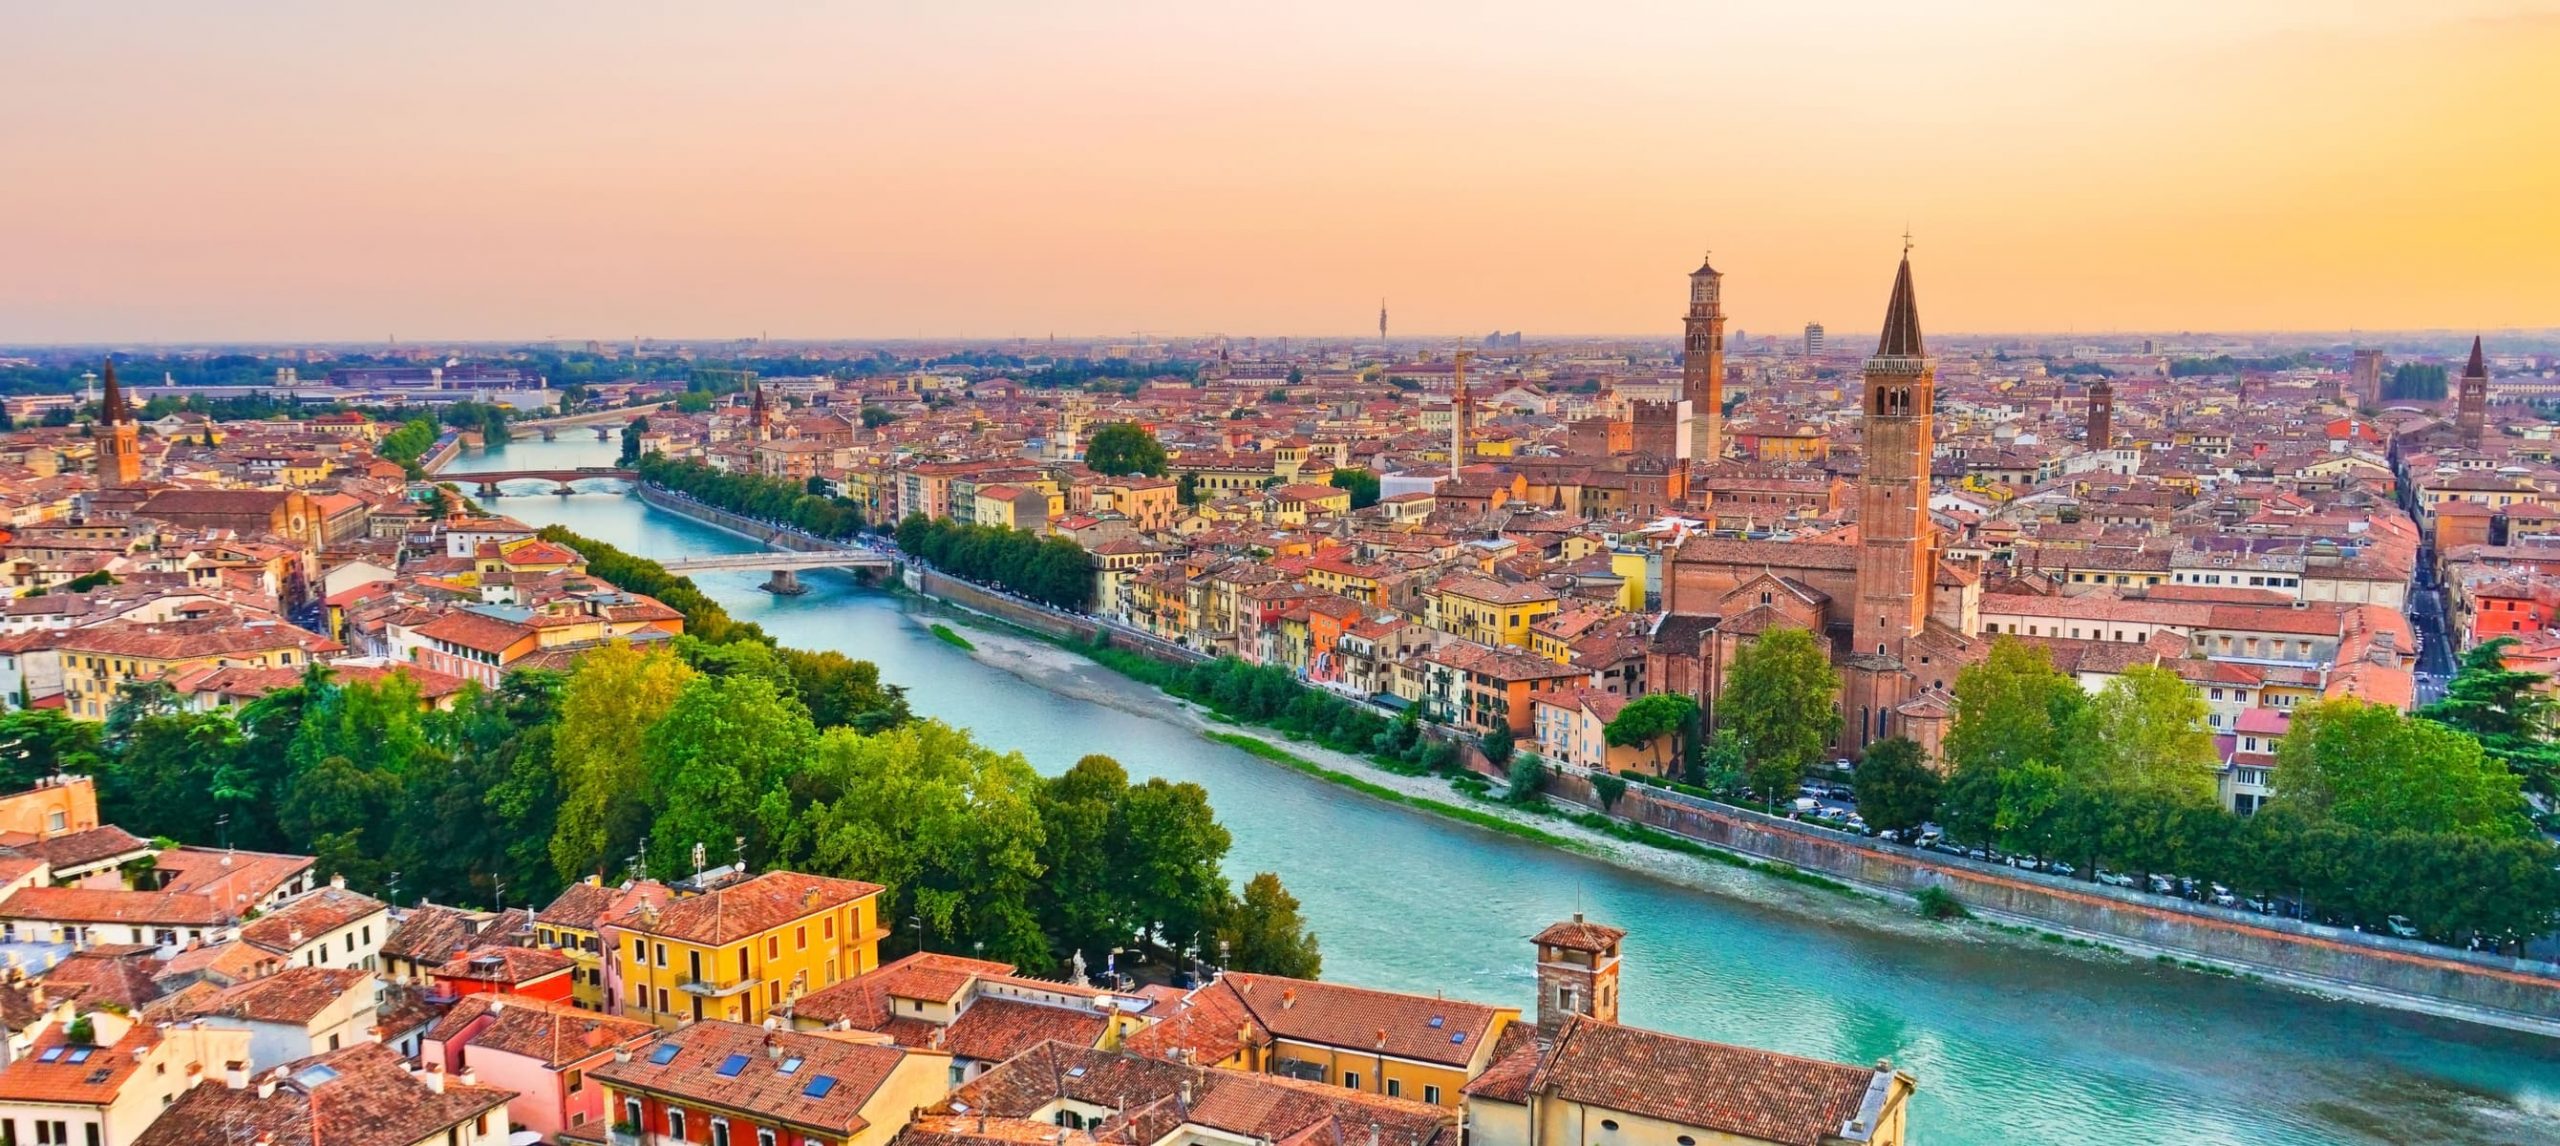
(697, 987)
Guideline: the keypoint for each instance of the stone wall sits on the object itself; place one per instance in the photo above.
(2521, 994)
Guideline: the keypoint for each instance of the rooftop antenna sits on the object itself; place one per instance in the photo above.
(698, 863)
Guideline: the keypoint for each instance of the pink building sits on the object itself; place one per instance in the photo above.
(541, 1050)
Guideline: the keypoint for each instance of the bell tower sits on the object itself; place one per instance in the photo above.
(119, 439)
(1577, 973)
(2102, 415)
(1895, 550)
(2471, 412)
(1702, 362)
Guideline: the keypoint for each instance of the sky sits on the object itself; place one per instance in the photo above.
(180, 171)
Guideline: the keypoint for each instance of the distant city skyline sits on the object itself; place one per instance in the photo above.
(304, 172)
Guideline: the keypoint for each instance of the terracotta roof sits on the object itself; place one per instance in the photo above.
(358, 1096)
(100, 905)
(1752, 1094)
(692, 1072)
(314, 915)
(752, 907)
(498, 963)
(293, 996)
(72, 849)
(1577, 935)
(580, 905)
(1153, 1098)
(1420, 1027)
(993, 1030)
(430, 933)
(79, 1073)
(553, 1034)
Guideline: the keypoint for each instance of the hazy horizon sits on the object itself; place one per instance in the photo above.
(306, 172)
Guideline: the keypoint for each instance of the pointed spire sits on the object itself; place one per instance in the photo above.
(1901, 318)
(2478, 368)
(112, 409)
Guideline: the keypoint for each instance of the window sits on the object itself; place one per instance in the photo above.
(662, 954)
(675, 1124)
(1608, 1124)
(1564, 999)
(764, 1137)
(1351, 1080)
(1395, 1088)
(801, 939)
(631, 1111)
(719, 1132)
(773, 947)
(577, 1080)
(1431, 1094)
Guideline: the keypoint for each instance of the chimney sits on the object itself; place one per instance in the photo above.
(338, 882)
(267, 1087)
(497, 1006)
(1288, 998)
(468, 1077)
(435, 1078)
(295, 938)
(235, 1075)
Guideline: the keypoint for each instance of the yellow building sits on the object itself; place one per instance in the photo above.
(98, 661)
(573, 926)
(738, 951)
(1418, 1047)
(1294, 504)
(1487, 611)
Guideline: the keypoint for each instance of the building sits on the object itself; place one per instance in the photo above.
(543, 1052)
(1416, 1047)
(331, 927)
(572, 925)
(2102, 414)
(1487, 611)
(1075, 1096)
(1702, 361)
(738, 951)
(1580, 1079)
(2366, 382)
(106, 1088)
(331, 1099)
(296, 1012)
(1813, 340)
(980, 1012)
(737, 1084)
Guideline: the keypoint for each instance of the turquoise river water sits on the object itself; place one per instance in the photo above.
(2012, 1045)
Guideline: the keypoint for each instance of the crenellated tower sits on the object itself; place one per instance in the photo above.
(1702, 361)
(2102, 415)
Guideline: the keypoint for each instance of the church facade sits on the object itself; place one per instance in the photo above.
(1898, 618)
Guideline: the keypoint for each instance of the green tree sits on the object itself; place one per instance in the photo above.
(2509, 712)
(2011, 708)
(716, 764)
(36, 743)
(1897, 790)
(1661, 720)
(951, 827)
(1264, 933)
(1715, 763)
(2145, 733)
(1525, 779)
(160, 779)
(1168, 853)
(342, 812)
(1782, 703)
(874, 417)
(1079, 813)
(1362, 484)
(2368, 766)
(606, 710)
(1497, 743)
(1125, 448)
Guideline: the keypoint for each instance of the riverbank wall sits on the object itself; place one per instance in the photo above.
(727, 522)
(2518, 994)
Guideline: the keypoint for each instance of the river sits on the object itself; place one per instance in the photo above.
(2011, 1044)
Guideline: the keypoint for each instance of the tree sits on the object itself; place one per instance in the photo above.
(1526, 778)
(1168, 852)
(2368, 766)
(36, 743)
(344, 811)
(1187, 489)
(874, 417)
(606, 710)
(717, 762)
(1897, 790)
(2012, 709)
(1078, 813)
(2145, 733)
(1662, 720)
(1782, 704)
(1715, 763)
(1263, 932)
(1497, 744)
(1125, 448)
(2507, 711)
(1362, 484)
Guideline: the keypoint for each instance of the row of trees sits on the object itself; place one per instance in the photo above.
(2378, 813)
(408, 444)
(1053, 570)
(2415, 381)
(802, 506)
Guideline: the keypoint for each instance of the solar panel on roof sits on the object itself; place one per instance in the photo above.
(730, 1066)
(666, 1053)
(819, 1087)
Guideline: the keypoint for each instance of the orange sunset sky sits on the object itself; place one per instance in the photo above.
(190, 171)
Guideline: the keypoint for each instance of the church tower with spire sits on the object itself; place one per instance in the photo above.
(119, 439)
(2471, 411)
(1702, 361)
(1896, 551)
(760, 416)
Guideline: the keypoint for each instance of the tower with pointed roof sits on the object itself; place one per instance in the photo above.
(2471, 412)
(1896, 558)
(1702, 361)
(119, 439)
(1577, 973)
(760, 416)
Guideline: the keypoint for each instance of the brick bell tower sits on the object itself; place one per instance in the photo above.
(2471, 397)
(119, 439)
(1702, 362)
(1896, 551)
(1577, 973)
(2102, 415)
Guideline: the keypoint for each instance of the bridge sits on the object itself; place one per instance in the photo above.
(490, 480)
(785, 565)
(606, 423)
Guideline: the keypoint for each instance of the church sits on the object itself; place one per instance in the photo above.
(1899, 619)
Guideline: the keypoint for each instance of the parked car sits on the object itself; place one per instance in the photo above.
(2058, 867)
(1806, 804)
(2222, 897)
(2401, 927)
(2114, 878)
(2162, 885)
